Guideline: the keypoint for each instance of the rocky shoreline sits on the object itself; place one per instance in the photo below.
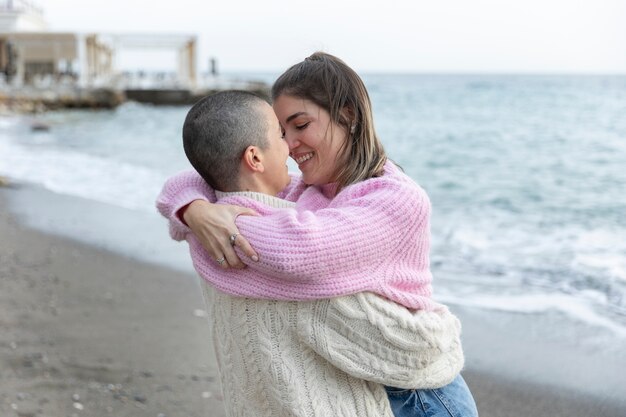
(34, 100)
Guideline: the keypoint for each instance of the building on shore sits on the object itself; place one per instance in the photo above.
(21, 16)
(42, 68)
(31, 54)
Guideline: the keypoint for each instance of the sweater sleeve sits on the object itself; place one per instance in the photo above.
(187, 186)
(177, 192)
(372, 338)
(364, 228)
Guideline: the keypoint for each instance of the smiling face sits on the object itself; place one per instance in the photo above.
(314, 140)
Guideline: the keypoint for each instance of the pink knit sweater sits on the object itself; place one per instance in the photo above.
(372, 236)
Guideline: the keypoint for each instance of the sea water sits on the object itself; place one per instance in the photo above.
(526, 174)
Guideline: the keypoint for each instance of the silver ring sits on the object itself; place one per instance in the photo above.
(232, 238)
(221, 260)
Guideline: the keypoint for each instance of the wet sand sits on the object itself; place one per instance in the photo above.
(89, 332)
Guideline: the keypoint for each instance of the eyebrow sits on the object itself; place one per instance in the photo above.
(293, 116)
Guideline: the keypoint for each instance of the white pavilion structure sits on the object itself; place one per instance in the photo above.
(31, 53)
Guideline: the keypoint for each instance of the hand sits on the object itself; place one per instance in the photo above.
(213, 225)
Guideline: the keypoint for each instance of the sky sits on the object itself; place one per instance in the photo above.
(405, 36)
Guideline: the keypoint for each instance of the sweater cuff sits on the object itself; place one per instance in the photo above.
(177, 193)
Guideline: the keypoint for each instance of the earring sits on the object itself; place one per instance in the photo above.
(352, 129)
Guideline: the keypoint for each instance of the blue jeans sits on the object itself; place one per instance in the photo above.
(453, 400)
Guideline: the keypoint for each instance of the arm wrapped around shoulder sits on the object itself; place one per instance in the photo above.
(370, 337)
(178, 191)
(380, 224)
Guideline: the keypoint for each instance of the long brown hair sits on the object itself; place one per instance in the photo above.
(331, 84)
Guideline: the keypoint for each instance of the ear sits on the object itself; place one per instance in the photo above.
(252, 159)
(347, 113)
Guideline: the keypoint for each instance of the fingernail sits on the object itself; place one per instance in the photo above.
(255, 258)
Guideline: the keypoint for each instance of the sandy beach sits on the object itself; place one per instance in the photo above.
(90, 332)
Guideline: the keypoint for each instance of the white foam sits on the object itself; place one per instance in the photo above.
(574, 306)
(7, 122)
(472, 238)
(602, 249)
(614, 264)
(78, 174)
(600, 239)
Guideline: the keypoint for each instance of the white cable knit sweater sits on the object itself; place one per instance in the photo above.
(328, 357)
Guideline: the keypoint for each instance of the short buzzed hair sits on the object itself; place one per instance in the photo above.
(217, 131)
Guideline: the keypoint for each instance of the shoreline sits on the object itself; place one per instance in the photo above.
(94, 332)
(89, 332)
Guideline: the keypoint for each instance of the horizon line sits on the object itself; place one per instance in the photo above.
(453, 72)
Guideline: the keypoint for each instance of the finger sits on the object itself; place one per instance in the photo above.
(221, 261)
(243, 244)
(233, 258)
(213, 249)
(233, 242)
(218, 256)
(229, 252)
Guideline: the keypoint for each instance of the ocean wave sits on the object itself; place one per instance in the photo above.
(82, 175)
(525, 177)
(573, 306)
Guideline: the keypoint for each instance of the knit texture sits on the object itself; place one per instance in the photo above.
(266, 199)
(372, 236)
(326, 357)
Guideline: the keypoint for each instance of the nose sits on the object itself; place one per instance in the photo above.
(292, 141)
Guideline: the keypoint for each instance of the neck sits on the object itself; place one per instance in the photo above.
(266, 199)
(255, 185)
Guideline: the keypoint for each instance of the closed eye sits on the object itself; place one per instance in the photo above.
(302, 126)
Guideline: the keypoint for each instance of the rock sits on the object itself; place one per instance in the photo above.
(120, 396)
(39, 127)
(140, 398)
